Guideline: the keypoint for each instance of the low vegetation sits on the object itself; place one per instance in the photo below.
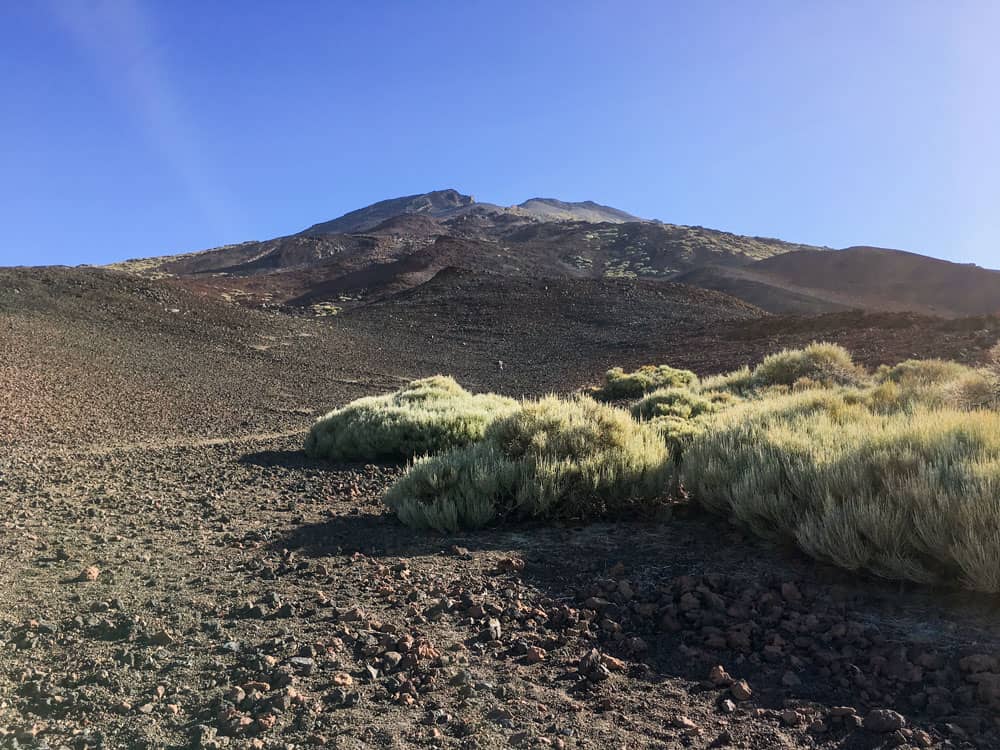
(427, 416)
(895, 472)
(553, 458)
(619, 384)
(912, 494)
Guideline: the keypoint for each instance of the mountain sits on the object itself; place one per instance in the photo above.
(870, 278)
(551, 209)
(449, 203)
(436, 203)
(398, 243)
(380, 250)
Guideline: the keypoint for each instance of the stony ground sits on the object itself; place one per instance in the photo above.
(238, 594)
(177, 574)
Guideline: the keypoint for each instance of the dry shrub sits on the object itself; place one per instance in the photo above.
(619, 384)
(907, 494)
(823, 363)
(427, 416)
(553, 458)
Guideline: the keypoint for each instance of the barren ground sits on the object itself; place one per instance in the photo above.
(245, 596)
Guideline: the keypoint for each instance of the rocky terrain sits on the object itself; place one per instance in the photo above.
(866, 278)
(371, 253)
(397, 244)
(178, 574)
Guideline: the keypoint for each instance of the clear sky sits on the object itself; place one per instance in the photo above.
(133, 128)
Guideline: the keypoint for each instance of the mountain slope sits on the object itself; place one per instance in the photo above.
(552, 209)
(869, 278)
(435, 203)
(393, 245)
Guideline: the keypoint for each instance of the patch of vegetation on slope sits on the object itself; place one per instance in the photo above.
(894, 472)
(553, 458)
(427, 416)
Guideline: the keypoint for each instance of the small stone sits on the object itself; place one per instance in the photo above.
(90, 573)
(683, 722)
(740, 690)
(493, 629)
(791, 717)
(727, 706)
(883, 721)
(719, 677)
(303, 664)
(615, 665)
(161, 638)
(511, 564)
(342, 679)
(842, 711)
(535, 654)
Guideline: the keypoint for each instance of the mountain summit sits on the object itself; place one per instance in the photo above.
(447, 204)
(435, 203)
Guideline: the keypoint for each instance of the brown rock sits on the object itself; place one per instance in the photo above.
(719, 677)
(740, 690)
(90, 573)
(791, 717)
(883, 721)
(535, 654)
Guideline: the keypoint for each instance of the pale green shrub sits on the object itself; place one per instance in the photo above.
(553, 458)
(619, 384)
(680, 402)
(738, 381)
(934, 383)
(827, 364)
(912, 495)
(426, 416)
(922, 371)
(671, 402)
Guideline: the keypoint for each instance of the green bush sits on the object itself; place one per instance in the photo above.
(907, 494)
(619, 384)
(738, 381)
(922, 372)
(934, 383)
(426, 416)
(680, 402)
(553, 458)
(826, 364)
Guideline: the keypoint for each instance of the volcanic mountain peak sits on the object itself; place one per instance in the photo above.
(436, 203)
(552, 209)
(445, 204)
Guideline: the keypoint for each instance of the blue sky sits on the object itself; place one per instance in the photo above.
(135, 128)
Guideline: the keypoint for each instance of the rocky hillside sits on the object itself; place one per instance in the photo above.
(868, 278)
(394, 244)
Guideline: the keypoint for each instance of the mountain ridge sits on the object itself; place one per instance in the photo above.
(398, 243)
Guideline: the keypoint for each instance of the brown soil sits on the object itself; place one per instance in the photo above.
(244, 595)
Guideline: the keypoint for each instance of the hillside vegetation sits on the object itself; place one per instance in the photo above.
(895, 472)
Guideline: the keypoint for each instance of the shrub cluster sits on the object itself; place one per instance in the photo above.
(909, 495)
(619, 384)
(552, 458)
(896, 472)
(427, 416)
